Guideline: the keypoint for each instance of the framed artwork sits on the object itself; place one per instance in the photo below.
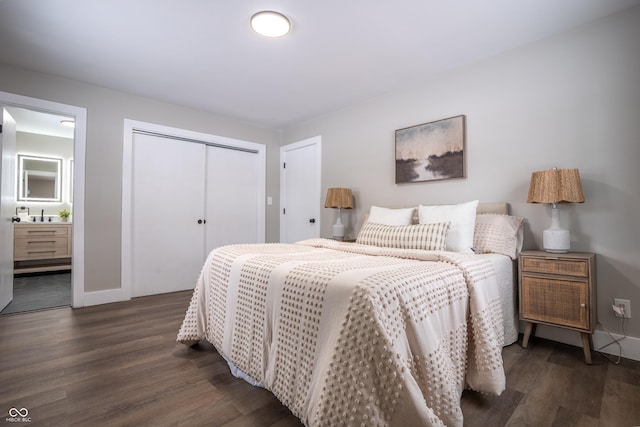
(431, 151)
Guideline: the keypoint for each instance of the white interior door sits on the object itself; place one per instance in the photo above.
(7, 201)
(168, 187)
(232, 197)
(300, 190)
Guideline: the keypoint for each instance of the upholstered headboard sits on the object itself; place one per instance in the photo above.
(493, 207)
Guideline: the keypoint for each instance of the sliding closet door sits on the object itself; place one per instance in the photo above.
(168, 188)
(233, 185)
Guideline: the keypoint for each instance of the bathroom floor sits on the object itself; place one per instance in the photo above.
(38, 292)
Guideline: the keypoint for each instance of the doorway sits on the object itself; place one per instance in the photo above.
(38, 287)
(300, 198)
(44, 153)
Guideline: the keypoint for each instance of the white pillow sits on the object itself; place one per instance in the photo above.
(388, 216)
(462, 218)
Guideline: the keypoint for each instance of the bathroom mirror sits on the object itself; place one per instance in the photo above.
(39, 178)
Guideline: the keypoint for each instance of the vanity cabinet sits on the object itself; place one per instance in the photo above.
(41, 247)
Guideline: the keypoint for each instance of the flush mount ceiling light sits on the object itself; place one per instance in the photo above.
(270, 24)
(68, 123)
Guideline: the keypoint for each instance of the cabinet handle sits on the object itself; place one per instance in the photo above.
(41, 241)
(583, 305)
(41, 252)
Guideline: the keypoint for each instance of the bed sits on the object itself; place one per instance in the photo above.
(388, 330)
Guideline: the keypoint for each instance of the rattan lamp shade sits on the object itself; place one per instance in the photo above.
(339, 198)
(555, 186)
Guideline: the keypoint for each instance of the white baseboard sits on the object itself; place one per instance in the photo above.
(630, 345)
(104, 297)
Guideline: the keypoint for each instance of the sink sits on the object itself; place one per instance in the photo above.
(44, 223)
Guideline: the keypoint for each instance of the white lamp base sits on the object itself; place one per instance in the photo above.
(338, 227)
(556, 239)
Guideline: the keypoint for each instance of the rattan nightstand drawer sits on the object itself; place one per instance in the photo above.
(553, 265)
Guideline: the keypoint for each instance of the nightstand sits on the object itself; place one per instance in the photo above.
(558, 290)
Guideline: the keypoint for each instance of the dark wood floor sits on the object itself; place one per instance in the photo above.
(118, 365)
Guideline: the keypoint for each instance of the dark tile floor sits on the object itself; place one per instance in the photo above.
(37, 292)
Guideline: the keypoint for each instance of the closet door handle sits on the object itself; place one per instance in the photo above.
(199, 221)
(202, 221)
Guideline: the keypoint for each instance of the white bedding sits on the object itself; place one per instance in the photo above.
(352, 334)
(505, 269)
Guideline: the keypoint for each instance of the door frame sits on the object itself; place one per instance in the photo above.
(315, 141)
(130, 126)
(79, 149)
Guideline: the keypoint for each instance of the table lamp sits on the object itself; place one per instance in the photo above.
(339, 198)
(555, 186)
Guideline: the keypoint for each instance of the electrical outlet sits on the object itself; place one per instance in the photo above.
(625, 304)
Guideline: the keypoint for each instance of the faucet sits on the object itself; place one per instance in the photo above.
(42, 216)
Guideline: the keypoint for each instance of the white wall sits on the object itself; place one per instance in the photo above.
(572, 101)
(106, 111)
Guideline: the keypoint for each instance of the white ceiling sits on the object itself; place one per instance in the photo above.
(203, 54)
(40, 123)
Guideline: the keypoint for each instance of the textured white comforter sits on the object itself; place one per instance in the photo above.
(347, 334)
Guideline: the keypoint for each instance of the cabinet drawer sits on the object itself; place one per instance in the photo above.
(41, 247)
(40, 253)
(555, 301)
(41, 230)
(565, 267)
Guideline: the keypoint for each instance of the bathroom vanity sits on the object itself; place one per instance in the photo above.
(40, 247)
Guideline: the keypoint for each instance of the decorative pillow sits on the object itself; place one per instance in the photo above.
(463, 220)
(390, 216)
(430, 237)
(498, 234)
